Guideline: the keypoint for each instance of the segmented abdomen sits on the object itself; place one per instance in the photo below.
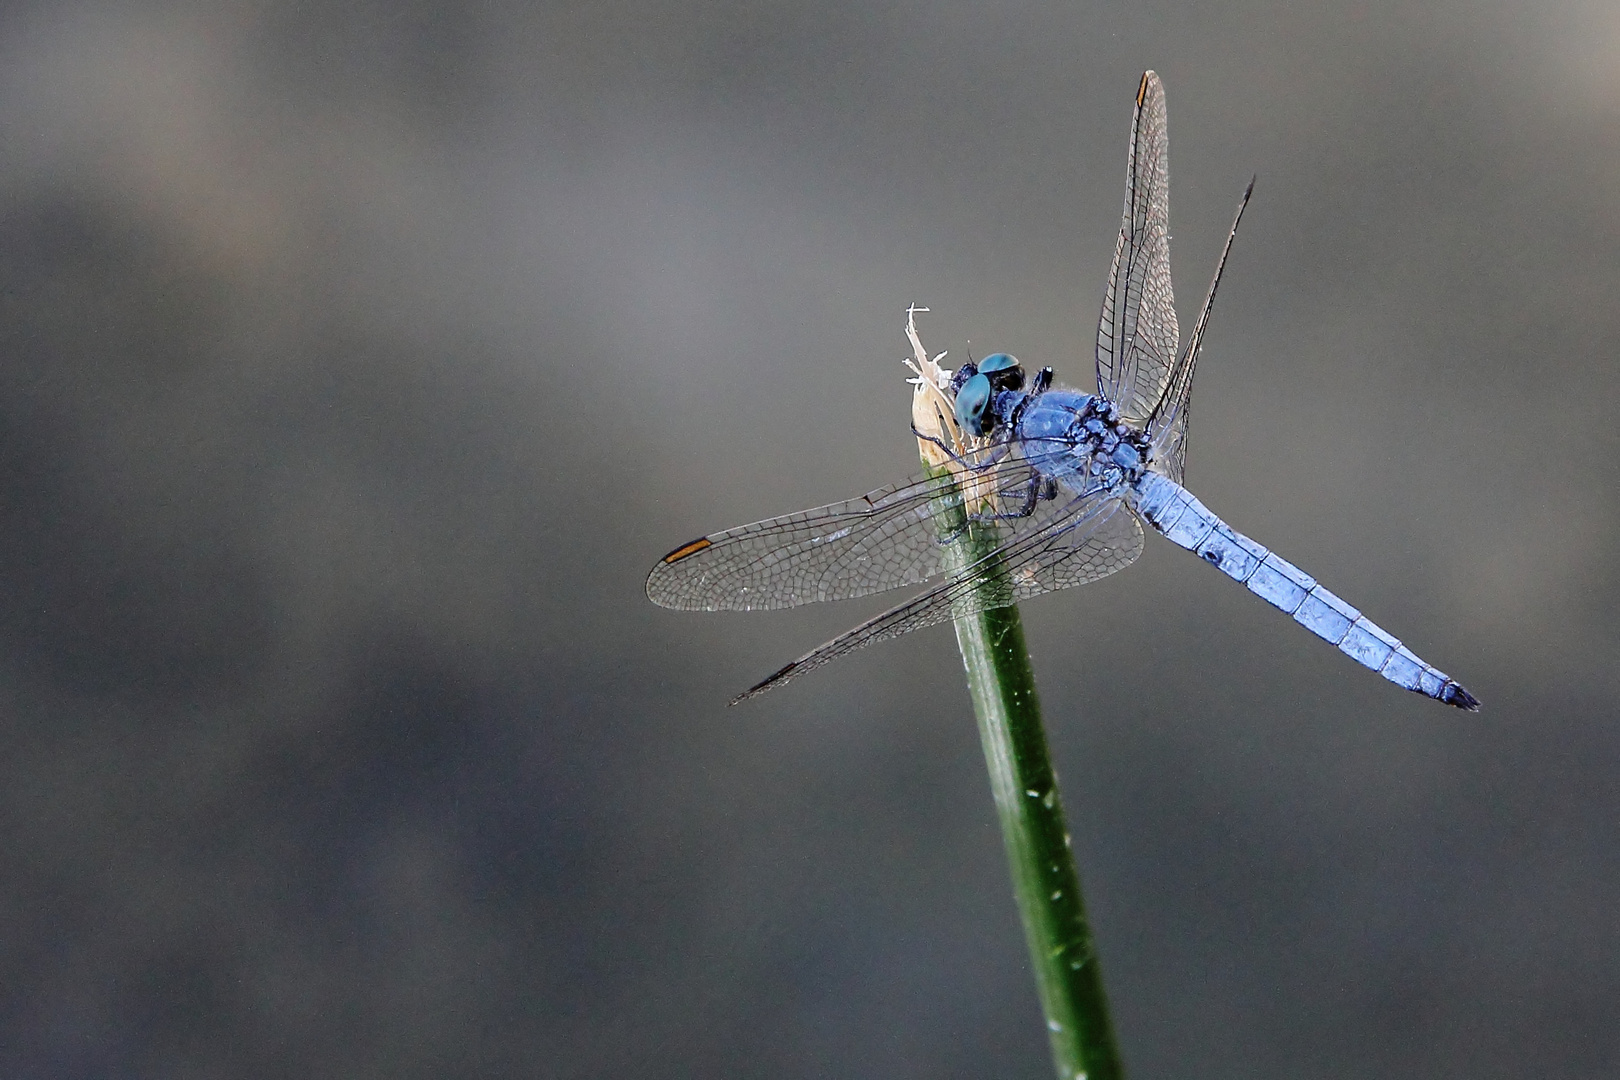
(1176, 512)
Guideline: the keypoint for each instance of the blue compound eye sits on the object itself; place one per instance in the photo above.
(1003, 370)
(972, 405)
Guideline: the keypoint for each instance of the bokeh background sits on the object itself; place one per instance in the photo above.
(357, 360)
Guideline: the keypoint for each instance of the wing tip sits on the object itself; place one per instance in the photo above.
(770, 682)
(1149, 77)
(666, 591)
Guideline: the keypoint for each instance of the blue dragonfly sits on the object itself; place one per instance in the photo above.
(1059, 480)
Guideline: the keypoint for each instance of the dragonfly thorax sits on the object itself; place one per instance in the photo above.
(1078, 439)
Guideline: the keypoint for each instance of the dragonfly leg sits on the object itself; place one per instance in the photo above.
(1033, 495)
(956, 533)
(1040, 489)
(937, 441)
(1000, 452)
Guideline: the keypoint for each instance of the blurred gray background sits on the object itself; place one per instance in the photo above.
(357, 360)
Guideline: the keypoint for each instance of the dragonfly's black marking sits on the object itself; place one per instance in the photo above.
(1454, 694)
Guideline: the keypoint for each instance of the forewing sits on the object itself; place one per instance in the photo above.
(890, 537)
(1087, 539)
(1137, 333)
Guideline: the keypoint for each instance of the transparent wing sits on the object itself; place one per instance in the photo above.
(890, 537)
(1168, 426)
(1090, 538)
(1137, 334)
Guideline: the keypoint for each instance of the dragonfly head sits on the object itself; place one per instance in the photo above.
(1003, 370)
(986, 392)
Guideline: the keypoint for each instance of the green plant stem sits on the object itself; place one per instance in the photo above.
(1045, 882)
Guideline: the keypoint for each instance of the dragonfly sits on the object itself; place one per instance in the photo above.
(1058, 482)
